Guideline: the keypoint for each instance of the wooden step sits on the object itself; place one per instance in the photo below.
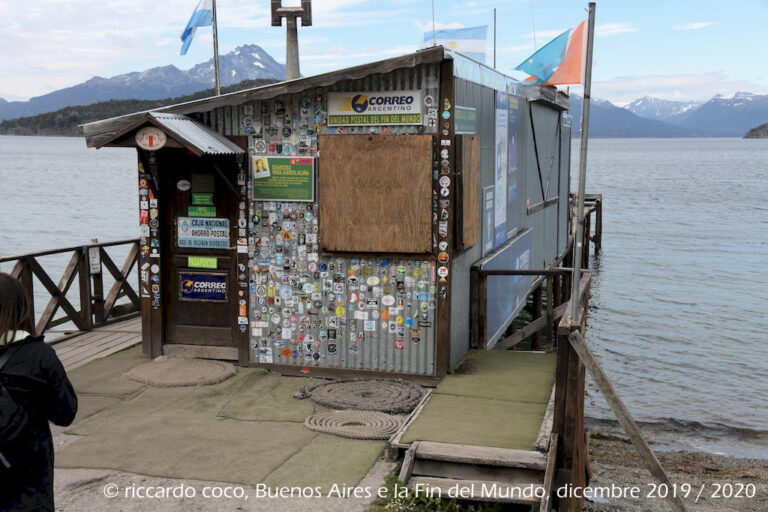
(481, 455)
(477, 490)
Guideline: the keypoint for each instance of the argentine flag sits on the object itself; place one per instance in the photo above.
(202, 17)
(470, 41)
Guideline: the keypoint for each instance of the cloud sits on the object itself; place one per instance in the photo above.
(695, 25)
(683, 87)
(612, 29)
(427, 27)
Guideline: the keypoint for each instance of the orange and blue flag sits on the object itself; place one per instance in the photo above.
(559, 62)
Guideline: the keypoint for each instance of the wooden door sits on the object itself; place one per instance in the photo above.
(199, 256)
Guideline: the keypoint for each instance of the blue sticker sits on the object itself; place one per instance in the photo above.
(203, 287)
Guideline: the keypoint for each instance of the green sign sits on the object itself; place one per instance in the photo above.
(202, 262)
(202, 211)
(202, 199)
(465, 121)
(286, 179)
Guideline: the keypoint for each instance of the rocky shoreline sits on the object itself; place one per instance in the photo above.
(615, 462)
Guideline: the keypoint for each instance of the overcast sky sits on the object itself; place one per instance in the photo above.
(675, 49)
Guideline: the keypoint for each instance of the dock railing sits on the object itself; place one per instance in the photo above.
(91, 268)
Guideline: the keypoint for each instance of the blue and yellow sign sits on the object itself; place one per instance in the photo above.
(374, 108)
(199, 287)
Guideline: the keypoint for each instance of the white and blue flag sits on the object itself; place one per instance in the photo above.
(470, 41)
(202, 17)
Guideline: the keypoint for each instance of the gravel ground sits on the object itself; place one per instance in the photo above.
(615, 462)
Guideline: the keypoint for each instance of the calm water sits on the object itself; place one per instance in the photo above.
(680, 294)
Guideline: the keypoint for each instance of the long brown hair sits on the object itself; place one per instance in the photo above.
(15, 309)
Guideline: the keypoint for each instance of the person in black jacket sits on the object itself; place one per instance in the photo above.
(36, 379)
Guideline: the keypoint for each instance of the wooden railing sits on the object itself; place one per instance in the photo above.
(86, 267)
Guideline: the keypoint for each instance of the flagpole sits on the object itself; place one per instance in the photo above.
(433, 23)
(494, 38)
(578, 241)
(216, 50)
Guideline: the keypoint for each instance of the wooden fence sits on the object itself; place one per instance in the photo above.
(86, 267)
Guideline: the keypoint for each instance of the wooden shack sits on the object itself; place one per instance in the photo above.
(328, 225)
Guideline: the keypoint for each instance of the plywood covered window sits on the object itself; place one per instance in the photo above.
(375, 193)
(468, 226)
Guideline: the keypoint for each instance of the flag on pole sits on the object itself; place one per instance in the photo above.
(470, 41)
(561, 61)
(201, 17)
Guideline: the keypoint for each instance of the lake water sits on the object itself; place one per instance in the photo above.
(679, 314)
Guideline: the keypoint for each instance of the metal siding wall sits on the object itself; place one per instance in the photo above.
(544, 222)
(379, 352)
(470, 94)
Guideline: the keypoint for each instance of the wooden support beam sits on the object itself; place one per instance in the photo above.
(549, 475)
(531, 328)
(536, 307)
(625, 418)
(550, 314)
(482, 455)
(407, 468)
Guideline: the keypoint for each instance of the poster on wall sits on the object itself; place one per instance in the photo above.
(513, 205)
(198, 287)
(488, 218)
(203, 233)
(465, 122)
(500, 176)
(506, 294)
(285, 179)
(376, 107)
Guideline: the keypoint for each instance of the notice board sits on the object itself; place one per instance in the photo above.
(278, 178)
(375, 193)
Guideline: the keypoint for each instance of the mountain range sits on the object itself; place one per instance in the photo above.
(243, 63)
(721, 116)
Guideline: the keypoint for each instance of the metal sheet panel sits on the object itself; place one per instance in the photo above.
(195, 134)
(408, 282)
(481, 98)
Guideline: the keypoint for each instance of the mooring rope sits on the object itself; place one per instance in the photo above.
(391, 396)
(354, 424)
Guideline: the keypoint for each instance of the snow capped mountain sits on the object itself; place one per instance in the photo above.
(243, 63)
(726, 116)
(657, 108)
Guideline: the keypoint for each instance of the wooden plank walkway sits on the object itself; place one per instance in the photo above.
(100, 342)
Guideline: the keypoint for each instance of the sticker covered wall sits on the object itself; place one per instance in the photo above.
(310, 309)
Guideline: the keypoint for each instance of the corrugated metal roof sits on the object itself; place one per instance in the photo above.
(191, 133)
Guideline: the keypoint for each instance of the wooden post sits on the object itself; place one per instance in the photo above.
(624, 417)
(598, 223)
(550, 320)
(536, 313)
(474, 307)
(84, 280)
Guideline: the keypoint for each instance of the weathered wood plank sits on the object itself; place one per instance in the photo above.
(531, 328)
(394, 441)
(542, 441)
(475, 489)
(408, 460)
(485, 455)
(623, 415)
(549, 475)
